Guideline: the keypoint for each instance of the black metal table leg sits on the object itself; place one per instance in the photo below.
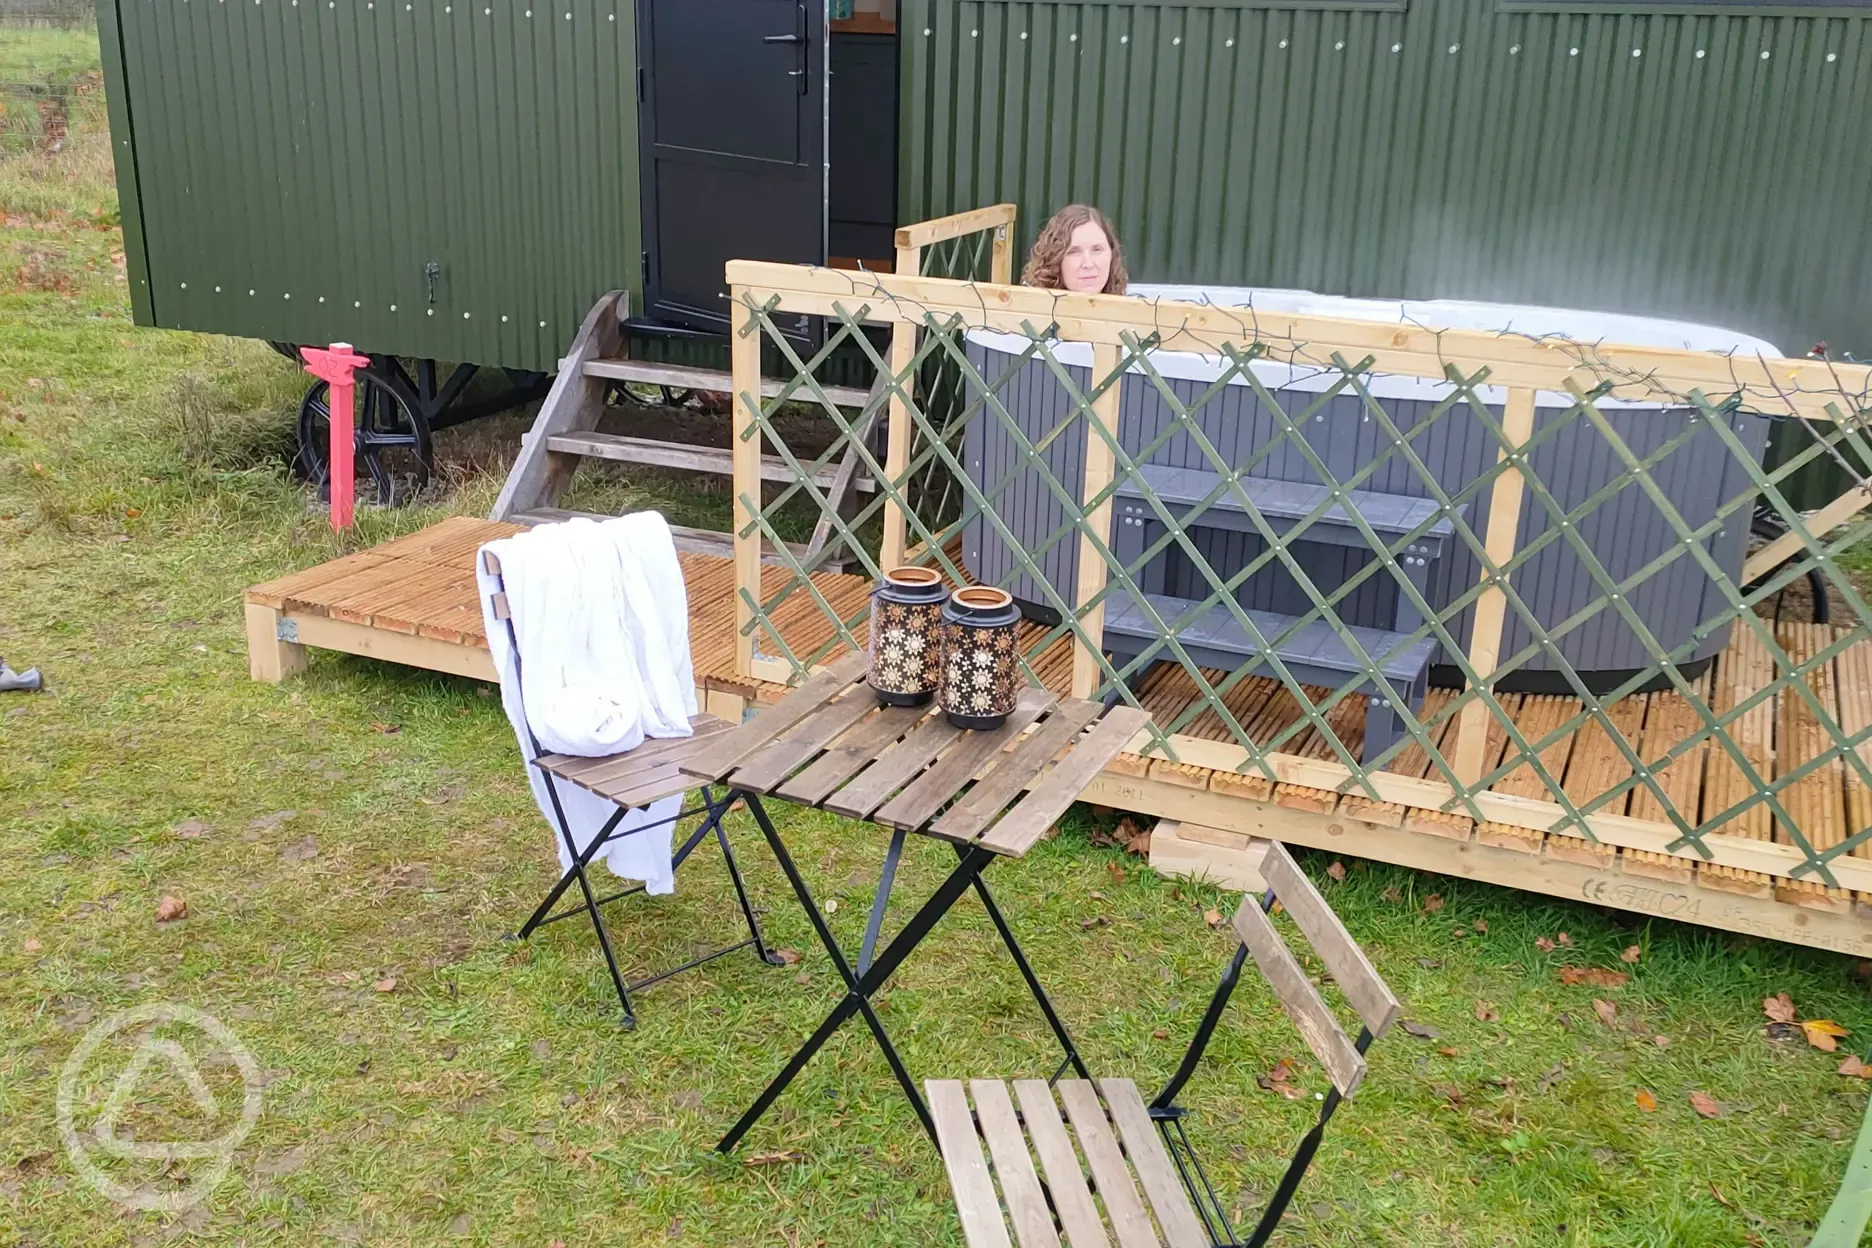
(1033, 981)
(860, 987)
(886, 879)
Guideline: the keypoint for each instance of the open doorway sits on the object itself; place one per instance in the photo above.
(862, 147)
(768, 132)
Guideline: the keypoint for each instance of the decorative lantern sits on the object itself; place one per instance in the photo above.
(906, 636)
(980, 669)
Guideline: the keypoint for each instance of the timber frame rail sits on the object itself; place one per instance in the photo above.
(1491, 378)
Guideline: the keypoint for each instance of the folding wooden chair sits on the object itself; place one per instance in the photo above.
(633, 780)
(1122, 1143)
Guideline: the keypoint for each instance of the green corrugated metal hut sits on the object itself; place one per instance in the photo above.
(459, 179)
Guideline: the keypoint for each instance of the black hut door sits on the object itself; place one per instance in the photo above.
(734, 130)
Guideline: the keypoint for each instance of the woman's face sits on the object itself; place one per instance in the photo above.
(1087, 264)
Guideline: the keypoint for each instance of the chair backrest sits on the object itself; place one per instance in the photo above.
(1376, 1005)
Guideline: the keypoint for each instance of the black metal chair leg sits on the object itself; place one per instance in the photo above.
(604, 943)
(565, 881)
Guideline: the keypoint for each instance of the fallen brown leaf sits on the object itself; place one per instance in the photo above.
(1336, 871)
(1598, 977)
(1543, 944)
(1779, 1008)
(1423, 1031)
(1481, 925)
(1139, 844)
(1097, 920)
(1823, 1034)
(1391, 894)
(1722, 1199)
(1662, 1041)
(1705, 1105)
(1213, 918)
(386, 984)
(192, 829)
(1607, 1012)
(1433, 903)
(169, 909)
(1485, 1013)
(1646, 1101)
(388, 730)
(1116, 872)
(1551, 1077)
(1854, 1067)
(1160, 1034)
(32, 945)
(1566, 941)
(1277, 1080)
(786, 1157)
(1630, 954)
(1446, 1051)
(787, 956)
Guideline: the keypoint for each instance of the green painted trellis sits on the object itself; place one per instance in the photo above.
(930, 318)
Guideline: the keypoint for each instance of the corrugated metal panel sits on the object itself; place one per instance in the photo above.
(295, 164)
(1667, 161)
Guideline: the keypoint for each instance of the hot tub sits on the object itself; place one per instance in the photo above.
(1625, 532)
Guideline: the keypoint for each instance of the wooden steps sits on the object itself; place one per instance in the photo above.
(694, 541)
(565, 434)
(680, 377)
(686, 457)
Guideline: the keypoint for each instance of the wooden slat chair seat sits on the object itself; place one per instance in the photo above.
(1125, 1174)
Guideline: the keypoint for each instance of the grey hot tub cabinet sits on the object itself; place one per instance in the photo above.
(1625, 532)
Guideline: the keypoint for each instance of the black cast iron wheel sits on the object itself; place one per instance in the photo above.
(391, 441)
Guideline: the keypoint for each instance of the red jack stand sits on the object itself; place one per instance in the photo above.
(335, 366)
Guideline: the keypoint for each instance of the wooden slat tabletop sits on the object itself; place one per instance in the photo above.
(830, 743)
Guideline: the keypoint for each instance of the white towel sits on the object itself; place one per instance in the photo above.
(602, 619)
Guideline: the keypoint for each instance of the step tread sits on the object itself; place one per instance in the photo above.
(686, 456)
(1290, 500)
(1315, 643)
(695, 541)
(683, 377)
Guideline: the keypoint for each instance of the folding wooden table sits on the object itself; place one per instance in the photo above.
(991, 795)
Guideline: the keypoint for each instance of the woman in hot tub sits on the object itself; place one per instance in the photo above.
(1078, 251)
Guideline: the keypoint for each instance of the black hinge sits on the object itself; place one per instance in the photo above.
(646, 268)
(640, 85)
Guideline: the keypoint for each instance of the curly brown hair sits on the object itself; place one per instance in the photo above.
(1043, 262)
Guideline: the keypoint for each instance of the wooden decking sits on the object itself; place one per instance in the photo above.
(414, 601)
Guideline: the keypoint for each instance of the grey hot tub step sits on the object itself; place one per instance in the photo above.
(1182, 488)
(1314, 654)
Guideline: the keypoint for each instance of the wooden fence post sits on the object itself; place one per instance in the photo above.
(1504, 527)
(897, 433)
(744, 354)
(1001, 270)
(1098, 474)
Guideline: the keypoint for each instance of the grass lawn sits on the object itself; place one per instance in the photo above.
(353, 846)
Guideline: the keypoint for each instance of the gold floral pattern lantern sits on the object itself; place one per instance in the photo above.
(906, 636)
(980, 665)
